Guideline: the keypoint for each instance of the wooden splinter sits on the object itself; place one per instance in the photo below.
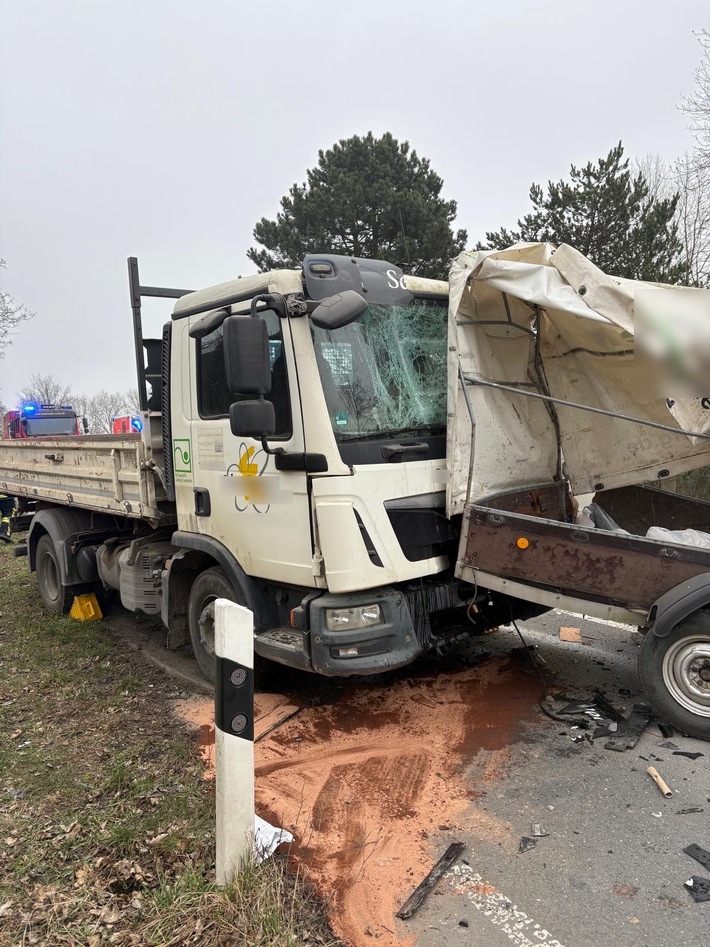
(659, 781)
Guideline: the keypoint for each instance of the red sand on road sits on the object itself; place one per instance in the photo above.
(365, 780)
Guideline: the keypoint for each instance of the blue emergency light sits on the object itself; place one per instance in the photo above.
(29, 408)
(136, 424)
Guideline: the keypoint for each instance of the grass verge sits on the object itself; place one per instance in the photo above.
(106, 822)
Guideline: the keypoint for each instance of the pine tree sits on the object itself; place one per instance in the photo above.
(610, 216)
(367, 197)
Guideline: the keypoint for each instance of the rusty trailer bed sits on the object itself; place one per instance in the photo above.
(520, 543)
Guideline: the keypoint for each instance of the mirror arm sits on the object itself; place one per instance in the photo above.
(273, 301)
(270, 450)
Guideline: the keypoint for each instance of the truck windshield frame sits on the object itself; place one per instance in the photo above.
(384, 376)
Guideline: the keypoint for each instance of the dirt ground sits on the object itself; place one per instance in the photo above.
(364, 778)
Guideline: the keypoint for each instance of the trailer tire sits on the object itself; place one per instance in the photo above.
(675, 674)
(56, 596)
(206, 589)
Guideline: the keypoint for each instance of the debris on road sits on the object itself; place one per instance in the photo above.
(698, 888)
(659, 781)
(690, 810)
(278, 723)
(420, 893)
(571, 634)
(699, 854)
(630, 730)
(526, 844)
(539, 830)
(691, 756)
(666, 730)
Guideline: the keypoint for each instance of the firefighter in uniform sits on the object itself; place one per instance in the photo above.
(7, 505)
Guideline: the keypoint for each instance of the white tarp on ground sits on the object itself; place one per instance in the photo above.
(587, 353)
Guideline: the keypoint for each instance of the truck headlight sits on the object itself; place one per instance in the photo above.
(361, 616)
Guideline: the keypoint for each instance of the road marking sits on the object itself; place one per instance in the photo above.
(518, 927)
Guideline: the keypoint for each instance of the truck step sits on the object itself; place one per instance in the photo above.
(283, 645)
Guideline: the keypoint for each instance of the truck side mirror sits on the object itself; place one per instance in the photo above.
(252, 418)
(246, 356)
(339, 310)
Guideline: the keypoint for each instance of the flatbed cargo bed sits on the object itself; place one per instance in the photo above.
(108, 473)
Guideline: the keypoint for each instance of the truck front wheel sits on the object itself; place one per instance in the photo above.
(206, 589)
(675, 673)
(56, 596)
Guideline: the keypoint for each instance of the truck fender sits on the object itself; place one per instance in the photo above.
(679, 602)
(61, 524)
(196, 554)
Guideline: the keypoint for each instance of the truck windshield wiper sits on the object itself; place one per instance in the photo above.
(421, 429)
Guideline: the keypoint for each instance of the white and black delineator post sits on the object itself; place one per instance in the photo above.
(234, 737)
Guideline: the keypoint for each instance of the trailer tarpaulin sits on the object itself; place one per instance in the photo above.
(547, 321)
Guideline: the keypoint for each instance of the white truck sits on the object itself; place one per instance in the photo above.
(292, 458)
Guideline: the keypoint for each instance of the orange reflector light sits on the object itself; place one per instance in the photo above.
(522, 542)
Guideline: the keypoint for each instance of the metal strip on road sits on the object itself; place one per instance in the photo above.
(518, 927)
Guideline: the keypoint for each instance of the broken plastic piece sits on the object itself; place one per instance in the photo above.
(666, 730)
(539, 830)
(689, 810)
(526, 844)
(698, 888)
(416, 899)
(629, 732)
(691, 756)
(699, 854)
(609, 710)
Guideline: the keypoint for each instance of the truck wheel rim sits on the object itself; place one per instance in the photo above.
(51, 579)
(686, 674)
(207, 627)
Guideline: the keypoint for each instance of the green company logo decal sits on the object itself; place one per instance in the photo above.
(182, 458)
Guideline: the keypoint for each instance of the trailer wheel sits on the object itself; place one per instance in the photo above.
(675, 673)
(206, 589)
(56, 596)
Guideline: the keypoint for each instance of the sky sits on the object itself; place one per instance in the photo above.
(164, 129)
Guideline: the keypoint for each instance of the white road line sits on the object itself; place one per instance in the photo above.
(518, 927)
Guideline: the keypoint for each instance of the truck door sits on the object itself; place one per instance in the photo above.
(259, 513)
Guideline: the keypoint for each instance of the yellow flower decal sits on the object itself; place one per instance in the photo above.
(251, 465)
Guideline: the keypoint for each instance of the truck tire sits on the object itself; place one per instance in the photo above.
(56, 596)
(206, 589)
(675, 673)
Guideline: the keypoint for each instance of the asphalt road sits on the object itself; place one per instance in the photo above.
(611, 871)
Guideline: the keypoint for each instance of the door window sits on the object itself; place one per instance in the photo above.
(213, 395)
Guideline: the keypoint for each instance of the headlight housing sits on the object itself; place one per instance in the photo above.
(347, 619)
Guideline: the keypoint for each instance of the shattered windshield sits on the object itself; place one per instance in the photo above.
(386, 373)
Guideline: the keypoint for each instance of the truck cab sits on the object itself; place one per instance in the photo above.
(332, 524)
